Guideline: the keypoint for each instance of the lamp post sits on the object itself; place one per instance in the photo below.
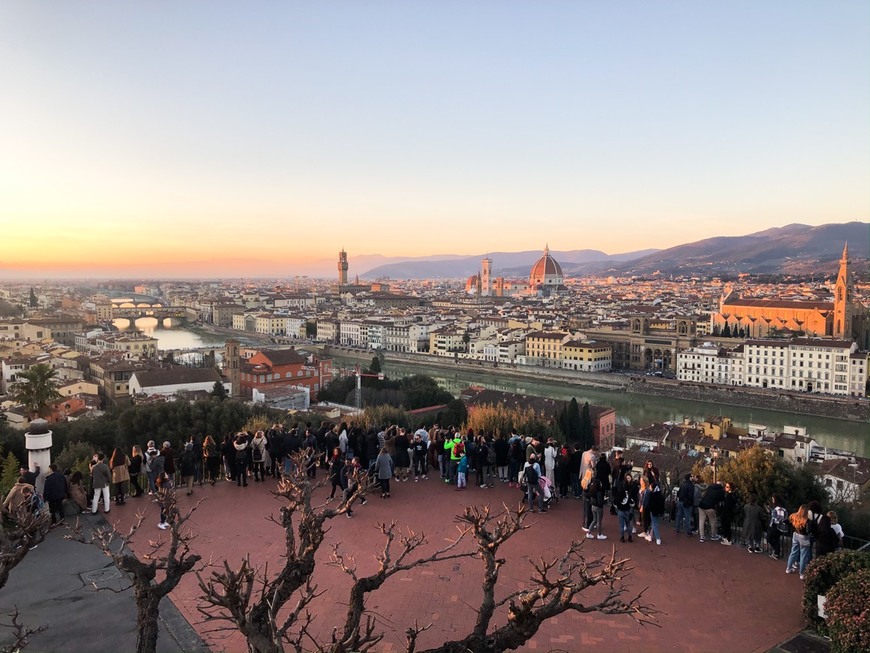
(714, 453)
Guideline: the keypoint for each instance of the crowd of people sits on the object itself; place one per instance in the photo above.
(545, 473)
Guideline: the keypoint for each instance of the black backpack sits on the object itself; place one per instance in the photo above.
(531, 475)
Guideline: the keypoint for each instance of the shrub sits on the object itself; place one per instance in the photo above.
(75, 457)
(378, 416)
(822, 574)
(849, 614)
(9, 475)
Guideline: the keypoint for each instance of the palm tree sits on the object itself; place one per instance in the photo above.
(35, 389)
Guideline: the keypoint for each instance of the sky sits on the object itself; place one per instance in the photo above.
(246, 139)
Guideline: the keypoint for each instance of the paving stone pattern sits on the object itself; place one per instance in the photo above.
(713, 598)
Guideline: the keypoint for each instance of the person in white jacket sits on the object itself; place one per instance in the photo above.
(550, 453)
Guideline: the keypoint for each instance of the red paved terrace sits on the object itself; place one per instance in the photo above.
(713, 598)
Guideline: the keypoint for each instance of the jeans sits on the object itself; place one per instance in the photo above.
(625, 519)
(575, 485)
(596, 519)
(707, 514)
(654, 527)
(801, 552)
(684, 515)
(530, 494)
(106, 499)
(242, 473)
(587, 512)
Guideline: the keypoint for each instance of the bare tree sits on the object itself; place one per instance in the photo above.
(249, 597)
(259, 605)
(21, 634)
(16, 542)
(159, 571)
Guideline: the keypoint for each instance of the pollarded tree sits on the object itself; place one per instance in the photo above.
(35, 389)
(159, 571)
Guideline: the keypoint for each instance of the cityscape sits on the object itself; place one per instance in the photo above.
(437, 271)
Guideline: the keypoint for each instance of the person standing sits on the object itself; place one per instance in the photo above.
(212, 457)
(726, 513)
(135, 467)
(155, 464)
(710, 499)
(420, 451)
(777, 528)
(337, 475)
(753, 521)
(625, 498)
(258, 456)
(550, 451)
(384, 472)
(54, 492)
(101, 479)
(119, 464)
(240, 446)
(685, 503)
(596, 497)
(187, 467)
(403, 459)
(168, 462)
(801, 549)
(655, 506)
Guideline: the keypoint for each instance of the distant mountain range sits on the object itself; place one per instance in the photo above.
(793, 249)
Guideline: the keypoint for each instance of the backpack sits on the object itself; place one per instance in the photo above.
(458, 449)
(241, 455)
(257, 454)
(530, 474)
(490, 455)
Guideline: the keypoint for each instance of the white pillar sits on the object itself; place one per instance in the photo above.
(38, 443)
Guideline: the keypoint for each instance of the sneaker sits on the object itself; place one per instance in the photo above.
(349, 514)
(622, 539)
(601, 537)
(726, 542)
(659, 542)
(801, 576)
(701, 539)
(790, 570)
(585, 530)
(629, 539)
(773, 556)
(425, 477)
(363, 501)
(162, 526)
(416, 480)
(715, 538)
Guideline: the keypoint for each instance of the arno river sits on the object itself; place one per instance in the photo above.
(639, 410)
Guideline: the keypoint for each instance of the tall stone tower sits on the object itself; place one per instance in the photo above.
(232, 357)
(843, 299)
(486, 277)
(342, 269)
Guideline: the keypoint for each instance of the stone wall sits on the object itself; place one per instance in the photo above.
(805, 404)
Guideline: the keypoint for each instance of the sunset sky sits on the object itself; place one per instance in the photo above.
(245, 139)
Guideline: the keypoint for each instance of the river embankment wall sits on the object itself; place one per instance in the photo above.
(789, 402)
(837, 408)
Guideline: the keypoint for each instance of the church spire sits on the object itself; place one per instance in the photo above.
(845, 252)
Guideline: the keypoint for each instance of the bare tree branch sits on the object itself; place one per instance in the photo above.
(21, 634)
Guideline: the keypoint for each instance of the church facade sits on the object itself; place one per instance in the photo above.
(840, 319)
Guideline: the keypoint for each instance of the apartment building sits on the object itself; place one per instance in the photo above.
(586, 356)
(801, 364)
(544, 348)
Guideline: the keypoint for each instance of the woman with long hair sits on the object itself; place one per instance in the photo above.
(801, 550)
(119, 465)
(135, 468)
(212, 457)
(336, 472)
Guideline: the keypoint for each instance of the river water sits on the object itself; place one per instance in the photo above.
(641, 410)
(171, 334)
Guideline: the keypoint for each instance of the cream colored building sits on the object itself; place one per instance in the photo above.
(588, 356)
(544, 348)
(859, 369)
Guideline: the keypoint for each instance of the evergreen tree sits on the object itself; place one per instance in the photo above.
(726, 332)
(375, 367)
(9, 475)
(219, 392)
(586, 435)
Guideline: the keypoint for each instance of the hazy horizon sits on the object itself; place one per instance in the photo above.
(218, 140)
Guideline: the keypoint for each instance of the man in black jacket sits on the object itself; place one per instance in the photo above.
(54, 492)
(710, 500)
(685, 503)
(275, 445)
